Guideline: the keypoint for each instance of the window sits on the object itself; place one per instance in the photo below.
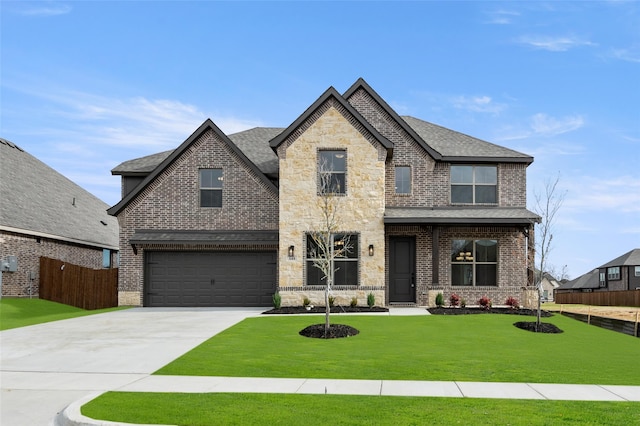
(637, 271)
(403, 179)
(211, 187)
(474, 262)
(345, 263)
(106, 258)
(332, 172)
(474, 184)
(603, 280)
(613, 273)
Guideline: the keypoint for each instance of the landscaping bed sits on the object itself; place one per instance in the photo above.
(480, 310)
(322, 310)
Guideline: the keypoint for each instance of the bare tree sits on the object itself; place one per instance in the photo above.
(328, 244)
(547, 206)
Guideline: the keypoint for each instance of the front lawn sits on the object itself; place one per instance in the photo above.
(462, 348)
(278, 409)
(22, 312)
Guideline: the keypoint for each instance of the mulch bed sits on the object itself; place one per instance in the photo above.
(467, 311)
(545, 327)
(322, 310)
(335, 331)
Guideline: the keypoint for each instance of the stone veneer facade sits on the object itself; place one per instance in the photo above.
(360, 210)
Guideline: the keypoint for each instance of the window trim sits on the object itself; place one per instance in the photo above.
(331, 172)
(473, 184)
(636, 271)
(410, 181)
(613, 273)
(473, 262)
(308, 261)
(214, 188)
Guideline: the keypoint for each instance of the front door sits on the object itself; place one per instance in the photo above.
(402, 269)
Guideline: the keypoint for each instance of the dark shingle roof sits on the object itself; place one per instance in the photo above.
(631, 258)
(225, 238)
(142, 165)
(466, 215)
(254, 143)
(456, 146)
(588, 280)
(37, 200)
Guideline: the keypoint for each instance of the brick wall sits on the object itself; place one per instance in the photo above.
(28, 249)
(172, 202)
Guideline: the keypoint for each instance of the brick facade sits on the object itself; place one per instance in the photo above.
(28, 249)
(172, 202)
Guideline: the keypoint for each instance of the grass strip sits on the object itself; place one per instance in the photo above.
(485, 348)
(286, 409)
(16, 313)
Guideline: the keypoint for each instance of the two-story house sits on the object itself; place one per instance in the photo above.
(226, 220)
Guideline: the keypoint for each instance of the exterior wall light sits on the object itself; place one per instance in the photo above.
(370, 249)
(291, 252)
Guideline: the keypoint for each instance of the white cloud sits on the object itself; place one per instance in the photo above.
(544, 125)
(554, 44)
(620, 194)
(483, 104)
(631, 54)
(501, 17)
(44, 9)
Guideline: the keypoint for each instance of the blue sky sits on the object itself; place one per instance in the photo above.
(86, 85)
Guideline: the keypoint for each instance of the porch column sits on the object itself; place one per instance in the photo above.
(435, 256)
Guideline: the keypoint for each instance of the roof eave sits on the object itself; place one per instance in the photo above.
(478, 159)
(459, 221)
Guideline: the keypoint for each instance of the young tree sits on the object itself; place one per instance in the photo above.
(547, 206)
(326, 242)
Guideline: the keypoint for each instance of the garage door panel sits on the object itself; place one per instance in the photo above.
(185, 278)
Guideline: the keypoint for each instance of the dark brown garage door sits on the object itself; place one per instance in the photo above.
(209, 279)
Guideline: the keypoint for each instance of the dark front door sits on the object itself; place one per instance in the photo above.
(402, 269)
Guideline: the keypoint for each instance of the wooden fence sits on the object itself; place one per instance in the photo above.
(601, 298)
(77, 286)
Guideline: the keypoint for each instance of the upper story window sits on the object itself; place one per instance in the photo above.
(332, 172)
(403, 179)
(474, 184)
(637, 271)
(211, 187)
(603, 279)
(613, 273)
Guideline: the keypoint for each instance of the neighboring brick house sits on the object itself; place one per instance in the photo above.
(622, 273)
(42, 213)
(225, 220)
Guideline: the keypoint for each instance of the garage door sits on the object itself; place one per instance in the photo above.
(209, 279)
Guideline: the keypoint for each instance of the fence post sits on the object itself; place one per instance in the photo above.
(635, 332)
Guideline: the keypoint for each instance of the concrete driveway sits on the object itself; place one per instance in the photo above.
(46, 367)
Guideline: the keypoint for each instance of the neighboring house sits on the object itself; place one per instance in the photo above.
(622, 273)
(549, 284)
(224, 220)
(42, 213)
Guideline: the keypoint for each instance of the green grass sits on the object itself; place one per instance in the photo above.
(23, 312)
(277, 409)
(463, 348)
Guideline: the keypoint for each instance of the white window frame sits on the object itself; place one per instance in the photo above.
(613, 273)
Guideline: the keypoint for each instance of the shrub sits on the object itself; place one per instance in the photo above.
(354, 302)
(463, 303)
(454, 299)
(512, 302)
(306, 302)
(439, 300)
(277, 300)
(371, 300)
(485, 302)
(332, 300)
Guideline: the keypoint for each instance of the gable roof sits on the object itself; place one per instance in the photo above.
(631, 258)
(37, 200)
(457, 147)
(331, 93)
(141, 166)
(204, 127)
(360, 84)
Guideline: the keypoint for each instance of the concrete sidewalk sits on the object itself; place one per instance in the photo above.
(71, 416)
